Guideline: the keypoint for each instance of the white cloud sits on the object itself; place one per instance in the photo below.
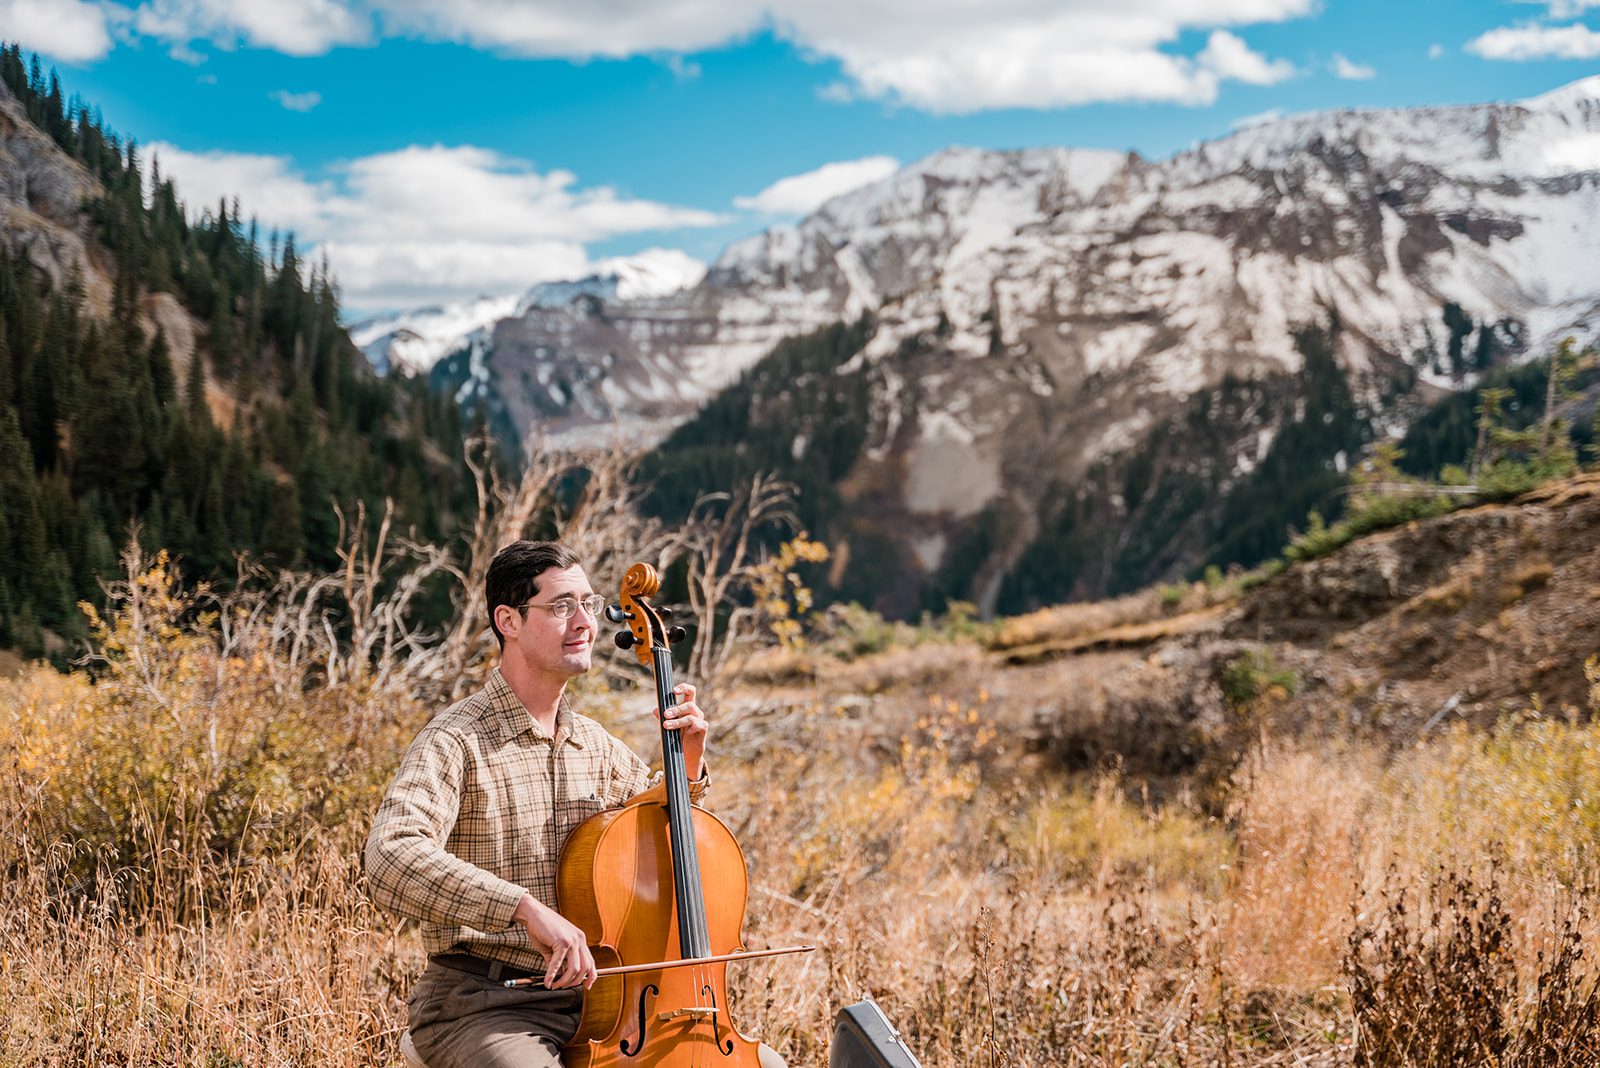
(561, 28)
(802, 193)
(1229, 57)
(954, 57)
(682, 69)
(296, 101)
(939, 55)
(1435, 51)
(426, 224)
(1569, 9)
(294, 27)
(1351, 71)
(68, 30)
(184, 54)
(269, 185)
(1535, 41)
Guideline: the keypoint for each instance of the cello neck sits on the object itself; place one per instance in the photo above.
(694, 938)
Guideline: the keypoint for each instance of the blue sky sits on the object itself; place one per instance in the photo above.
(437, 152)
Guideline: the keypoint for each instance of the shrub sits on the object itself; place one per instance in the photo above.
(1431, 985)
(1434, 982)
(1377, 513)
(1526, 791)
(183, 758)
(1253, 676)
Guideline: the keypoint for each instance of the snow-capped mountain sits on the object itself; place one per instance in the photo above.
(1040, 316)
(411, 342)
(1091, 262)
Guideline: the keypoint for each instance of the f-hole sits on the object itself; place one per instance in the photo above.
(716, 1023)
(650, 990)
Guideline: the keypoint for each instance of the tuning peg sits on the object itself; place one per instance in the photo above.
(624, 639)
(676, 635)
(664, 613)
(615, 613)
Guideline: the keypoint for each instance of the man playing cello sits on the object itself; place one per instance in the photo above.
(467, 838)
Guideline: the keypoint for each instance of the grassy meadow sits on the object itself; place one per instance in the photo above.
(180, 828)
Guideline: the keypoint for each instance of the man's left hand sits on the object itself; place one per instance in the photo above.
(688, 718)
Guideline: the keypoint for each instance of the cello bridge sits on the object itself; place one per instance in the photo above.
(695, 1010)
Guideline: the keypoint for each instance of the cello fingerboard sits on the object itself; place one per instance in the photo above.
(694, 937)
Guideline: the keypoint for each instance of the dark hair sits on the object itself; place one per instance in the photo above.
(513, 573)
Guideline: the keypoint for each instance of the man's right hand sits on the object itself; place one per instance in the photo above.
(567, 960)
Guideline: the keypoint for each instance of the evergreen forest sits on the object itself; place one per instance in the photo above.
(241, 450)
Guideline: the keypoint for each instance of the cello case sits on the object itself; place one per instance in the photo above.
(863, 1037)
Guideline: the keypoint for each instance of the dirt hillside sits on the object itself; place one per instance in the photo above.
(1470, 616)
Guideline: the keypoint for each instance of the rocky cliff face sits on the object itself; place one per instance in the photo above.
(1048, 324)
(42, 196)
(41, 190)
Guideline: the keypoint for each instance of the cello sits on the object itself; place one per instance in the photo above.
(659, 888)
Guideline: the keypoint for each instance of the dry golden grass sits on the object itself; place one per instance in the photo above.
(1132, 619)
(180, 838)
(1064, 622)
(1122, 635)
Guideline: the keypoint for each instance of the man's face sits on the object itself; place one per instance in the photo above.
(547, 645)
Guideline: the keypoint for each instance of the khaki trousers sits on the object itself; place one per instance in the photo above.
(461, 1020)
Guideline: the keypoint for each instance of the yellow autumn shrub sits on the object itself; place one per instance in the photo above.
(184, 751)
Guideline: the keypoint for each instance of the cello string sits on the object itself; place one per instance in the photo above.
(680, 832)
(689, 890)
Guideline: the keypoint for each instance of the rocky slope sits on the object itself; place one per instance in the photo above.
(1462, 618)
(42, 194)
(41, 191)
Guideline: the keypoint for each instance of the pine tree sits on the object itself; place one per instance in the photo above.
(52, 593)
(21, 545)
(1563, 369)
(109, 454)
(162, 380)
(32, 543)
(96, 555)
(1490, 401)
(26, 633)
(221, 336)
(282, 534)
(7, 382)
(194, 393)
(39, 398)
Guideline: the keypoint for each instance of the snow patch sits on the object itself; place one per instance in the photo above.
(929, 551)
(948, 472)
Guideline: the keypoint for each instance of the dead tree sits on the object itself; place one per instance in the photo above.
(602, 524)
(718, 543)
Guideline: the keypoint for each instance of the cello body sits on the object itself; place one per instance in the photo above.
(654, 882)
(614, 866)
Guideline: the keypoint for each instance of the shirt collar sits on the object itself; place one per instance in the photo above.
(511, 717)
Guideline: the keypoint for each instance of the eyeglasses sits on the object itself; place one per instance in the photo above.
(566, 607)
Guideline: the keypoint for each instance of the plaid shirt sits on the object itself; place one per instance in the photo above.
(477, 813)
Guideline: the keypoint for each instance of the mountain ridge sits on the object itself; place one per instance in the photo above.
(770, 261)
(1090, 367)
